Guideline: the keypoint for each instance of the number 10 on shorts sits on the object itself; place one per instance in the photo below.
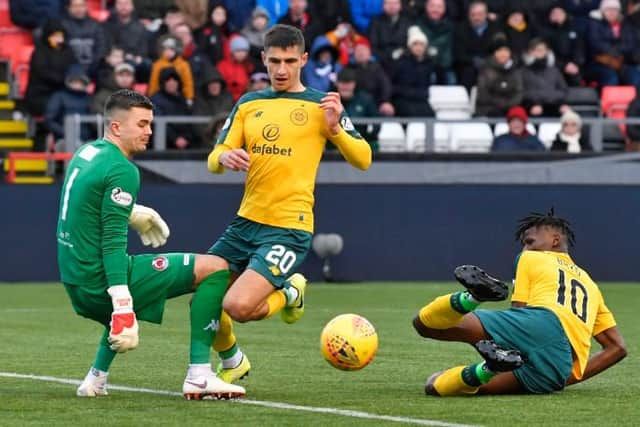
(281, 257)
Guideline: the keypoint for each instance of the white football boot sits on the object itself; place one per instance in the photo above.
(210, 387)
(94, 384)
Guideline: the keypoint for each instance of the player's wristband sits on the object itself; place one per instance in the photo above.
(121, 298)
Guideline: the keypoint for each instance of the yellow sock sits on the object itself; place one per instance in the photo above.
(225, 339)
(275, 301)
(439, 314)
(450, 383)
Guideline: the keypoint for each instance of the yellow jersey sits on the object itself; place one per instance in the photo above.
(552, 280)
(284, 134)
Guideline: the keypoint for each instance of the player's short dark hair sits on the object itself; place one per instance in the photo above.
(284, 36)
(535, 219)
(124, 99)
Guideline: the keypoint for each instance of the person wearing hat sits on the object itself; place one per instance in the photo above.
(499, 83)
(322, 67)
(254, 31)
(258, 81)
(73, 99)
(411, 77)
(612, 43)
(123, 78)
(169, 55)
(518, 138)
(357, 103)
(571, 139)
(212, 99)
(236, 69)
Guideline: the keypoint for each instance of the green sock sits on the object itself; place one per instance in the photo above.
(104, 355)
(206, 308)
(476, 375)
(228, 354)
(463, 302)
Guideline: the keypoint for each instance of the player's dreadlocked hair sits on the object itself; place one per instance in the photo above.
(535, 219)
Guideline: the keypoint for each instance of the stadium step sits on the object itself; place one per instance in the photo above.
(4, 89)
(16, 144)
(28, 165)
(33, 180)
(13, 127)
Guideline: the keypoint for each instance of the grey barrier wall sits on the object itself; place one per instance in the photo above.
(391, 232)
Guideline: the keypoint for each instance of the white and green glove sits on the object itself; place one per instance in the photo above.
(123, 332)
(149, 225)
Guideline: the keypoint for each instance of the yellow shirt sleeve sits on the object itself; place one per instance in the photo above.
(230, 138)
(356, 151)
(522, 287)
(604, 319)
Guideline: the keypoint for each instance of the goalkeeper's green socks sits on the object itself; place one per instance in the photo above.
(104, 355)
(206, 308)
(448, 310)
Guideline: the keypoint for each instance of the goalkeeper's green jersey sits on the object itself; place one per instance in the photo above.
(100, 188)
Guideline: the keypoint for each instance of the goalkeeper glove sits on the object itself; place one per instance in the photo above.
(149, 225)
(123, 332)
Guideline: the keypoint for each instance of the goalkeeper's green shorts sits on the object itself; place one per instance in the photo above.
(274, 252)
(537, 333)
(153, 278)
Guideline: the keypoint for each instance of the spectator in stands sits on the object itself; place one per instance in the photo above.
(105, 71)
(254, 32)
(123, 29)
(49, 62)
(123, 78)
(388, 33)
(150, 10)
(239, 12)
(194, 12)
(184, 35)
(322, 67)
(170, 56)
(73, 99)
(499, 83)
(236, 69)
(344, 38)
(85, 36)
(212, 99)
(544, 87)
(371, 77)
(307, 22)
(357, 104)
(538, 11)
(518, 31)
(571, 139)
(172, 19)
(579, 10)
(412, 75)
(34, 13)
(214, 35)
(169, 101)
(472, 43)
(439, 31)
(567, 44)
(363, 11)
(276, 9)
(328, 13)
(518, 138)
(259, 81)
(612, 43)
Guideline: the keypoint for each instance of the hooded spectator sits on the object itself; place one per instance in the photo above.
(518, 138)
(519, 31)
(123, 78)
(73, 99)
(212, 98)
(259, 81)
(255, 30)
(321, 69)
(170, 56)
(236, 69)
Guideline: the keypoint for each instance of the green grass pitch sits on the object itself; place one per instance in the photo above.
(40, 335)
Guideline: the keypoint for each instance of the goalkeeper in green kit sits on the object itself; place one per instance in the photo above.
(104, 283)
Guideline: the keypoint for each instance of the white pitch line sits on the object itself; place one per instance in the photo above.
(276, 405)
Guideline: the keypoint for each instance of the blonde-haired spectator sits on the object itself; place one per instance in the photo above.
(571, 139)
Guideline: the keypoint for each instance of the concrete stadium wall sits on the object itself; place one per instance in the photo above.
(391, 232)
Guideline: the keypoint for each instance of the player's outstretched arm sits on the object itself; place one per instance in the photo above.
(613, 351)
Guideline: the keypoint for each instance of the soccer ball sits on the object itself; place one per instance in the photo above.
(349, 342)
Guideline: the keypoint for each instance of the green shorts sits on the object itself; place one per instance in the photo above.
(274, 252)
(538, 334)
(153, 278)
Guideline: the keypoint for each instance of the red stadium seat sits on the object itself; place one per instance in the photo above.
(20, 69)
(615, 100)
(11, 43)
(5, 17)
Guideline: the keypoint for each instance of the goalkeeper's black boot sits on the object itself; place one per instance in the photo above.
(480, 285)
(498, 359)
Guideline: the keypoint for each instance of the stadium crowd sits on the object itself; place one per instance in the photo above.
(198, 57)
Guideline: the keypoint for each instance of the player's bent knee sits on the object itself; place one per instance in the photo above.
(429, 387)
(208, 264)
(238, 310)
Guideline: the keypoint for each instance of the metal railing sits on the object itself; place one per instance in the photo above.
(73, 124)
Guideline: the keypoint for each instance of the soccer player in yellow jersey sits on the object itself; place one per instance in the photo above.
(540, 344)
(277, 136)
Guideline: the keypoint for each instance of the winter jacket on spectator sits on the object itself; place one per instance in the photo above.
(601, 41)
(194, 12)
(34, 13)
(561, 143)
(411, 79)
(580, 8)
(275, 8)
(519, 39)
(69, 101)
(318, 73)
(131, 36)
(47, 69)
(87, 40)
(236, 75)
(254, 35)
(471, 49)
(440, 36)
(174, 104)
(363, 11)
(327, 14)
(567, 44)
(363, 105)
(543, 83)
(208, 103)
(239, 12)
(388, 38)
(212, 39)
(372, 79)
(513, 143)
(499, 88)
(152, 9)
(308, 24)
(177, 62)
